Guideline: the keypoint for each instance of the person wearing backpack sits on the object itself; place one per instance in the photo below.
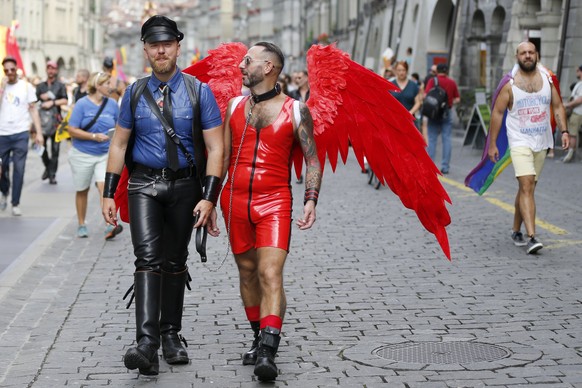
(441, 93)
(169, 135)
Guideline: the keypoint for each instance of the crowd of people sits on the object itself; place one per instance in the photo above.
(167, 130)
(51, 101)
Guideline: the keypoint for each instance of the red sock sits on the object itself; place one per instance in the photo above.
(272, 321)
(253, 313)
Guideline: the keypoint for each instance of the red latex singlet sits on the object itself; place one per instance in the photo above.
(261, 198)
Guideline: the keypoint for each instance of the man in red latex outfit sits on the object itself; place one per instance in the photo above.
(260, 133)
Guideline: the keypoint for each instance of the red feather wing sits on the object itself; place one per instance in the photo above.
(220, 71)
(351, 104)
(120, 196)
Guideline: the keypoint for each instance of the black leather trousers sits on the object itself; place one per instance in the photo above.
(51, 162)
(161, 220)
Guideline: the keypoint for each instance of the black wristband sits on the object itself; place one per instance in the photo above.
(563, 132)
(111, 181)
(311, 195)
(212, 189)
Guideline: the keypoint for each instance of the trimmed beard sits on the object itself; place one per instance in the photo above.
(527, 68)
(252, 80)
(164, 69)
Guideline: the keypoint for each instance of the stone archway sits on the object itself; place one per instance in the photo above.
(440, 32)
(477, 50)
(71, 70)
(495, 39)
(441, 27)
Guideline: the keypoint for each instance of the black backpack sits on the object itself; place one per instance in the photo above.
(436, 102)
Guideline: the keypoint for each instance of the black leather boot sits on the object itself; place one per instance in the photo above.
(250, 357)
(171, 319)
(265, 368)
(147, 316)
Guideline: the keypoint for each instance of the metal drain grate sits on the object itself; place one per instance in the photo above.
(456, 352)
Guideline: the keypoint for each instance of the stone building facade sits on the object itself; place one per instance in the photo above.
(477, 37)
(69, 32)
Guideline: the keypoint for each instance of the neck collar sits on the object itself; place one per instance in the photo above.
(268, 95)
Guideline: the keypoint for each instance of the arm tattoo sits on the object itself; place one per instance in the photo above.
(305, 136)
(559, 122)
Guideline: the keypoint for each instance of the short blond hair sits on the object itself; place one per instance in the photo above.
(97, 79)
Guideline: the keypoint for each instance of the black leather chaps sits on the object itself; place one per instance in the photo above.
(161, 220)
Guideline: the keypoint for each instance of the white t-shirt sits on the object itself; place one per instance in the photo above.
(14, 115)
(528, 121)
(577, 92)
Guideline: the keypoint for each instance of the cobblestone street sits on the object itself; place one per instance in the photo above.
(364, 287)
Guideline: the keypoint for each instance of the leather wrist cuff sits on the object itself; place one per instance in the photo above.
(212, 189)
(111, 181)
(311, 195)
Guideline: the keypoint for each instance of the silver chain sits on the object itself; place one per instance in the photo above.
(136, 186)
(242, 139)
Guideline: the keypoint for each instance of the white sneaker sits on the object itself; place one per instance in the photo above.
(16, 211)
(569, 157)
(3, 202)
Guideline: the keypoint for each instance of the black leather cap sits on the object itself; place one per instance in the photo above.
(159, 28)
(108, 63)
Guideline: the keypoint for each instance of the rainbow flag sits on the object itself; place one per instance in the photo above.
(483, 175)
(120, 60)
(9, 45)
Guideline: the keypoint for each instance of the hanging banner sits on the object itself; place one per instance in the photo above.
(9, 45)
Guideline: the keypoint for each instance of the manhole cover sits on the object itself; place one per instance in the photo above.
(456, 352)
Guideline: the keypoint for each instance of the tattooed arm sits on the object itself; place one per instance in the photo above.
(304, 134)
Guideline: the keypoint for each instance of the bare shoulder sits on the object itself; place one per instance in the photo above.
(305, 117)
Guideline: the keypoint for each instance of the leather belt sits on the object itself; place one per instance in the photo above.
(166, 173)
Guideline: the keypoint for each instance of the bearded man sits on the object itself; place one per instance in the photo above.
(167, 123)
(527, 98)
(260, 133)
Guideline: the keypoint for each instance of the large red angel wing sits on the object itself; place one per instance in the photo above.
(220, 71)
(351, 104)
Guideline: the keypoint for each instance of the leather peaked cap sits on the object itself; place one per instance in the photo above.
(159, 28)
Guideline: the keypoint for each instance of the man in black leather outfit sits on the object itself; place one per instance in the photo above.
(165, 188)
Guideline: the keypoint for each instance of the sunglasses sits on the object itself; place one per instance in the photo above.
(248, 60)
(10, 70)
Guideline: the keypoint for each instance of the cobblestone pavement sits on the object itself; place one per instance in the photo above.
(365, 286)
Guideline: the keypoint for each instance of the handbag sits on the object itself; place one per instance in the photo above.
(63, 129)
(48, 122)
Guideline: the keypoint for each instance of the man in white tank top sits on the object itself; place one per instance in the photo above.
(527, 98)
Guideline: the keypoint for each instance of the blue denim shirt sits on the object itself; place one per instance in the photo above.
(150, 136)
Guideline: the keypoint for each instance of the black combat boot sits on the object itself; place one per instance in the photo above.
(173, 285)
(147, 316)
(250, 357)
(265, 368)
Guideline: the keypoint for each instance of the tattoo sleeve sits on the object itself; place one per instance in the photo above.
(309, 148)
